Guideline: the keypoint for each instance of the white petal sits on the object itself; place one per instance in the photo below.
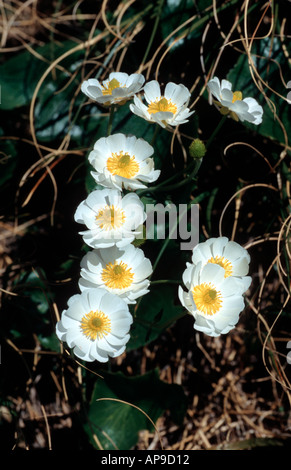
(187, 275)
(181, 117)
(212, 273)
(142, 149)
(121, 77)
(142, 271)
(121, 327)
(61, 331)
(233, 305)
(162, 118)
(226, 97)
(226, 85)
(218, 245)
(92, 88)
(201, 253)
(152, 91)
(139, 109)
(112, 303)
(214, 87)
(135, 80)
(178, 94)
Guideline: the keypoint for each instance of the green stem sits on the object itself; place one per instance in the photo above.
(161, 252)
(156, 131)
(216, 130)
(193, 173)
(159, 12)
(110, 122)
(163, 186)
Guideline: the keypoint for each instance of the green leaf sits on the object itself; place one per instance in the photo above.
(50, 342)
(20, 74)
(155, 313)
(36, 288)
(27, 312)
(51, 110)
(116, 425)
(174, 13)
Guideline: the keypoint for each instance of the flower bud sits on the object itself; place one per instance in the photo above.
(197, 149)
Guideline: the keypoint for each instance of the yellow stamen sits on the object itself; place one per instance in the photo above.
(162, 105)
(117, 275)
(95, 325)
(207, 299)
(110, 218)
(224, 263)
(108, 87)
(122, 164)
(237, 96)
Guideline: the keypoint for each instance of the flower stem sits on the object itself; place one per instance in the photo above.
(154, 30)
(216, 130)
(110, 122)
(165, 281)
(155, 135)
(193, 173)
(167, 240)
(164, 187)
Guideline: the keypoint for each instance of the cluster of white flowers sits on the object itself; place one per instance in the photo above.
(115, 273)
(170, 108)
(216, 281)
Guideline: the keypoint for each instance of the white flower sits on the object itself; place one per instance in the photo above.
(96, 325)
(215, 301)
(110, 218)
(232, 103)
(168, 109)
(123, 272)
(117, 89)
(227, 254)
(123, 162)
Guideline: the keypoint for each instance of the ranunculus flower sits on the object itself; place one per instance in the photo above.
(165, 109)
(215, 301)
(231, 256)
(117, 89)
(123, 162)
(233, 103)
(95, 325)
(122, 271)
(110, 218)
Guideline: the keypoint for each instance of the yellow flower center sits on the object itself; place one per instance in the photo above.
(107, 88)
(162, 105)
(110, 218)
(224, 263)
(95, 325)
(237, 96)
(207, 299)
(122, 164)
(117, 275)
